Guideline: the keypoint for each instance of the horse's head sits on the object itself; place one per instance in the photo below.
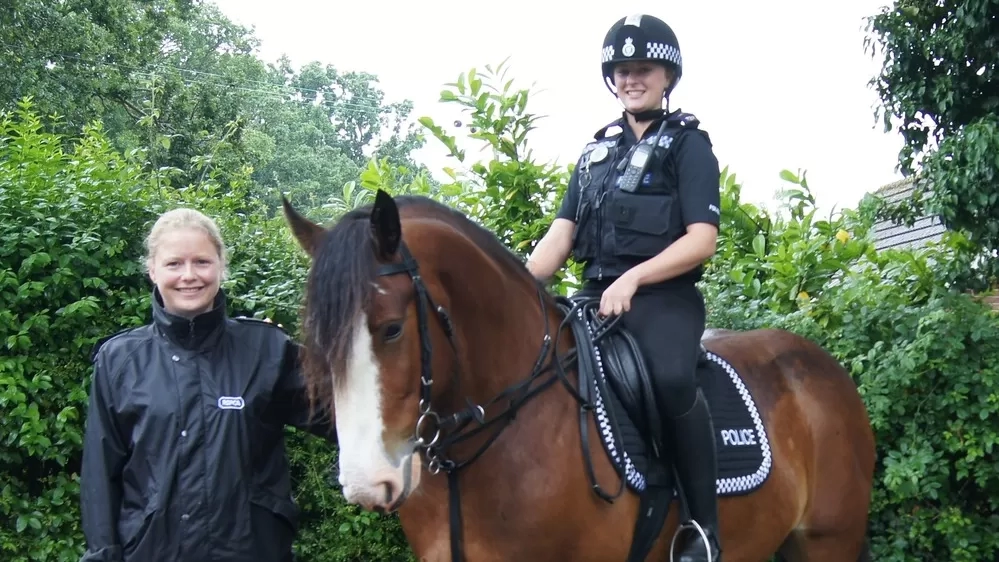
(378, 334)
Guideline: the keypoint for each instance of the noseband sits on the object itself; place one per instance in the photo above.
(434, 450)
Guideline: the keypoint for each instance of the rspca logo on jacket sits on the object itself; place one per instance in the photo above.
(231, 403)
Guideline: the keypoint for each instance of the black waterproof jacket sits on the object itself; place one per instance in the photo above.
(184, 455)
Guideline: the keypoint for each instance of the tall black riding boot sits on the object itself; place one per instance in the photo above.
(697, 465)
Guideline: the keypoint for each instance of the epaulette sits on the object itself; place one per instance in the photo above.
(602, 141)
(100, 343)
(250, 320)
(684, 120)
(601, 133)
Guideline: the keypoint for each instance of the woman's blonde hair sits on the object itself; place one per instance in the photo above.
(184, 218)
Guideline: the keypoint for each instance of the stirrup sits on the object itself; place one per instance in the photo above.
(700, 530)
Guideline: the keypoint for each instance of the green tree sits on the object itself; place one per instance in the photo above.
(77, 58)
(319, 129)
(181, 83)
(940, 86)
(783, 262)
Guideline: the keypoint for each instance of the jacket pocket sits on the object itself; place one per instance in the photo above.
(275, 525)
(641, 222)
(139, 533)
(283, 508)
(584, 246)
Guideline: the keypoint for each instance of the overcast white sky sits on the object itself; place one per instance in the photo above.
(777, 83)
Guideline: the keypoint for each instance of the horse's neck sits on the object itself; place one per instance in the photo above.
(501, 327)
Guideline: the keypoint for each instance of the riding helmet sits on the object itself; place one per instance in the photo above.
(641, 37)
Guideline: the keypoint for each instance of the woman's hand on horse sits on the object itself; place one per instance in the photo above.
(616, 299)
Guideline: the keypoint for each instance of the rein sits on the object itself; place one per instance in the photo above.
(434, 450)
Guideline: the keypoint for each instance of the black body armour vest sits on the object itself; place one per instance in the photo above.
(616, 229)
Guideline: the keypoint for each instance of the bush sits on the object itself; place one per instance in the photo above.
(69, 274)
(926, 369)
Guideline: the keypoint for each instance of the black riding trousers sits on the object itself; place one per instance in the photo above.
(667, 323)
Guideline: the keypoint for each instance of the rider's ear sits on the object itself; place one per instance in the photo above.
(307, 233)
(386, 231)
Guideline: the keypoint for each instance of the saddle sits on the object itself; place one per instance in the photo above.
(604, 346)
(611, 368)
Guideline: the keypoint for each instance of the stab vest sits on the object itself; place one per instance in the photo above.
(617, 229)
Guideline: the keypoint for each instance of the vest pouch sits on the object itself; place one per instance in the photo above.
(641, 223)
(584, 239)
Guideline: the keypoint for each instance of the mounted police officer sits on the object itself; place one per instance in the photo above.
(641, 213)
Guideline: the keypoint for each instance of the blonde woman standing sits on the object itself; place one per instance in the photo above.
(184, 455)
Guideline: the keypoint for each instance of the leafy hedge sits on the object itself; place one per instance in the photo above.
(68, 275)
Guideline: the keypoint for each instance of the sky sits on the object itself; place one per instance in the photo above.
(777, 83)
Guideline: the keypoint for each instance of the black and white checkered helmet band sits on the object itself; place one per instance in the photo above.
(655, 51)
(664, 51)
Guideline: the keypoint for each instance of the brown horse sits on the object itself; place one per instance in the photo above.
(463, 402)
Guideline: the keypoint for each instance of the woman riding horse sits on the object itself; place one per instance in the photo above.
(641, 212)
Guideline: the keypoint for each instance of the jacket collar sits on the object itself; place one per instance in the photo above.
(655, 116)
(197, 333)
(648, 115)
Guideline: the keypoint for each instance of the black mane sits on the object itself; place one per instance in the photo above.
(341, 281)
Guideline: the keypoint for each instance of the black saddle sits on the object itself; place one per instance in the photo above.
(611, 368)
(614, 353)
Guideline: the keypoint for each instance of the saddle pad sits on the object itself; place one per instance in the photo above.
(744, 456)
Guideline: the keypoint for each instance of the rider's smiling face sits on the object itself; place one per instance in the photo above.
(640, 84)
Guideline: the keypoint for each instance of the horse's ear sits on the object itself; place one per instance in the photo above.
(306, 232)
(386, 231)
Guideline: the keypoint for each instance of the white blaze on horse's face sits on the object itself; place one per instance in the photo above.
(375, 474)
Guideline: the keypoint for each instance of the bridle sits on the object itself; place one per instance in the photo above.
(434, 450)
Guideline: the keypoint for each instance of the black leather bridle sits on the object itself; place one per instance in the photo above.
(434, 450)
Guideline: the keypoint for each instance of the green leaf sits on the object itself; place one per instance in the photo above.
(789, 176)
(759, 245)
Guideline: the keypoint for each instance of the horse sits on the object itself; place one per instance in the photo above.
(475, 403)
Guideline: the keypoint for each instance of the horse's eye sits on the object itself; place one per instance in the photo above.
(392, 332)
